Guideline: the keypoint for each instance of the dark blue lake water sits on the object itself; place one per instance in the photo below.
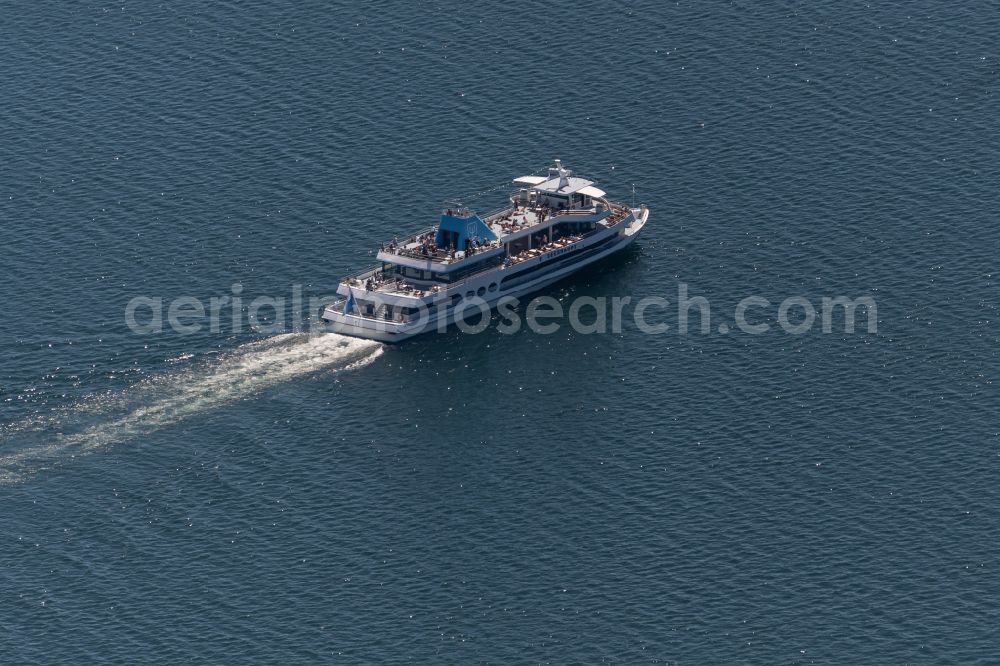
(240, 497)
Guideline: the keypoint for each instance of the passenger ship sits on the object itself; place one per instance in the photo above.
(553, 226)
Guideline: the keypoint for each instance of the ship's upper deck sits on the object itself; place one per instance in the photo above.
(462, 234)
(507, 225)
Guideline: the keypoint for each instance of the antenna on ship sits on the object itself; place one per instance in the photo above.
(563, 173)
(633, 195)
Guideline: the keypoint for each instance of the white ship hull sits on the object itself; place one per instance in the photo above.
(487, 289)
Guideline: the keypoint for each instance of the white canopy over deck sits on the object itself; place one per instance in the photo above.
(563, 185)
(592, 192)
(561, 182)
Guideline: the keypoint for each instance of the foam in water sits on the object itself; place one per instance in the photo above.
(168, 399)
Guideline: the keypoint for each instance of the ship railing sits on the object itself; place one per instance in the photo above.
(377, 314)
(497, 214)
(400, 245)
(338, 307)
(358, 279)
(446, 256)
(386, 282)
(571, 211)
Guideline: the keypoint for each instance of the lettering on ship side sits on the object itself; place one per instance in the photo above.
(556, 253)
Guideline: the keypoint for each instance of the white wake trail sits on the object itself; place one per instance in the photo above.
(171, 398)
